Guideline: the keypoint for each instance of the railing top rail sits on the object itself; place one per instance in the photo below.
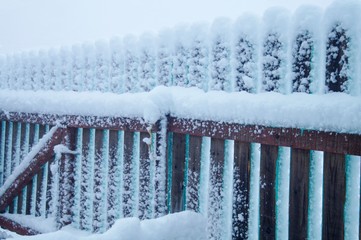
(334, 142)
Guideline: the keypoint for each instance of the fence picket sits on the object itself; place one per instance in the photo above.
(194, 167)
(334, 192)
(178, 168)
(269, 155)
(241, 187)
(299, 182)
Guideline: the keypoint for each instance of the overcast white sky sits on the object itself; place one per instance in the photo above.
(31, 24)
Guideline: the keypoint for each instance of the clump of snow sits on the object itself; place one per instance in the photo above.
(183, 225)
(337, 112)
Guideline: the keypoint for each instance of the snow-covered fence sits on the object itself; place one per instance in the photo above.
(311, 51)
(248, 180)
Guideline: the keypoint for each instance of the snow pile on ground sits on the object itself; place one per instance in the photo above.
(338, 112)
(184, 225)
(40, 224)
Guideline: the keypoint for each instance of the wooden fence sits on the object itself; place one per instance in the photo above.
(231, 173)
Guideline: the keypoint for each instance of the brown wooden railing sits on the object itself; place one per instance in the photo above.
(164, 174)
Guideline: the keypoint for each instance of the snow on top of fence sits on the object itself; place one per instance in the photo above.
(311, 51)
(337, 112)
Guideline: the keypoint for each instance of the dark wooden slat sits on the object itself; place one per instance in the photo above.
(86, 187)
(333, 142)
(128, 181)
(111, 123)
(241, 187)
(144, 178)
(39, 159)
(216, 207)
(178, 168)
(67, 181)
(98, 180)
(269, 155)
(114, 178)
(16, 227)
(334, 191)
(28, 197)
(194, 170)
(299, 182)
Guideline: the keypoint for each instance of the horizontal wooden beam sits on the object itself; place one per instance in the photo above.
(16, 227)
(44, 155)
(332, 142)
(111, 123)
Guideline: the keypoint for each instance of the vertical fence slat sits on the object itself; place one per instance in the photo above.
(241, 186)
(114, 183)
(67, 180)
(178, 168)
(269, 155)
(128, 156)
(100, 180)
(2, 151)
(194, 168)
(87, 168)
(215, 207)
(334, 191)
(299, 178)
(144, 177)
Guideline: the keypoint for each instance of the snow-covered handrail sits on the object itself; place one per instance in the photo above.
(329, 141)
(40, 154)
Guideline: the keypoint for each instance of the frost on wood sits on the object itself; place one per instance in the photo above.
(220, 56)
(337, 59)
(147, 77)
(180, 58)
(131, 61)
(244, 55)
(198, 60)
(164, 58)
(302, 60)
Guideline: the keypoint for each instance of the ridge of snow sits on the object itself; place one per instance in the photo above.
(182, 225)
(337, 112)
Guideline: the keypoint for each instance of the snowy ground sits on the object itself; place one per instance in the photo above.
(184, 225)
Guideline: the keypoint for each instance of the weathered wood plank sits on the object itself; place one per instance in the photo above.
(334, 194)
(16, 227)
(269, 155)
(332, 142)
(144, 177)
(216, 193)
(25, 176)
(128, 198)
(178, 168)
(241, 187)
(299, 182)
(194, 172)
(67, 180)
(99, 188)
(114, 183)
